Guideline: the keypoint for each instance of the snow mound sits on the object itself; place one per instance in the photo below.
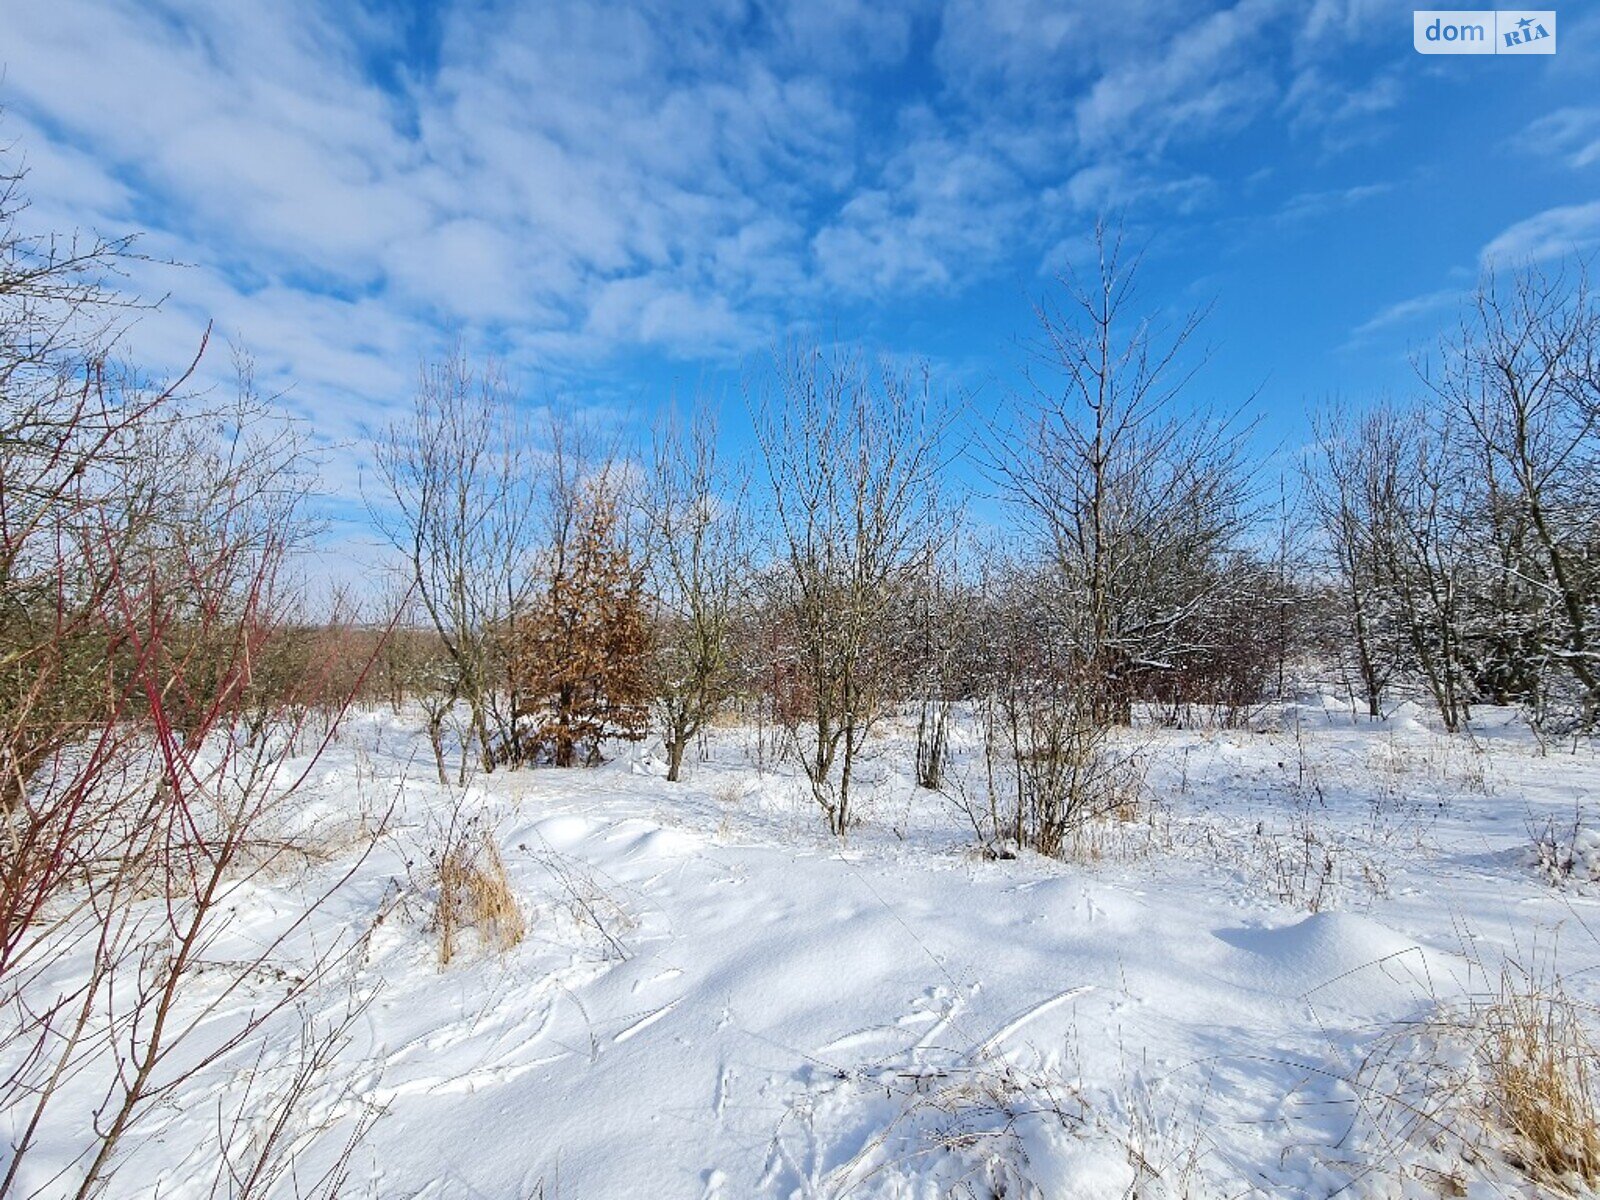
(565, 831)
(1339, 960)
(644, 840)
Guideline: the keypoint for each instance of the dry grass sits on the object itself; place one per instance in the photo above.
(1540, 1067)
(1501, 1086)
(1566, 853)
(1125, 826)
(475, 894)
(1453, 764)
(967, 1124)
(729, 792)
(985, 1126)
(591, 905)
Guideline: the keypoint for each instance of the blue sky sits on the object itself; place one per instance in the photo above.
(628, 201)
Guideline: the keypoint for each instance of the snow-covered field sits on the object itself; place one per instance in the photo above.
(1223, 996)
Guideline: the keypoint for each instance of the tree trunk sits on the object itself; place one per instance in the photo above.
(436, 740)
(932, 734)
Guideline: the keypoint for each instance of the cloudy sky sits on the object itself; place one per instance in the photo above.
(626, 200)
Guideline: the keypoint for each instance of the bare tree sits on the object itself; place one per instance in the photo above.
(1134, 496)
(699, 572)
(134, 834)
(142, 549)
(935, 647)
(852, 461)
(1351, 486)
(1464, 532)
(1427, 544)
(1523, 376)
(461, 503)
(67, 484)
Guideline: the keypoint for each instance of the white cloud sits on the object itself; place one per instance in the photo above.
(553, 158)
(1405, 312)
(1351, 60)
(1113, 186)
(1569, 229)
(853, 33)
(569, 182)
(1308, 206)
(985, 46)
(553, 152)
(945, 210)
(468, 268)
(645, 309)
(1321, 98)
(1572, 134)
(1206, 76)
(1333, 25)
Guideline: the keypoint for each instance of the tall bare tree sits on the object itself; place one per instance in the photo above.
(853, 459)
(1353, 485)
(1135, 495)
(699, 573)
(460, 501)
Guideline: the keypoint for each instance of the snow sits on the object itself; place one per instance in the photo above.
(715, 999)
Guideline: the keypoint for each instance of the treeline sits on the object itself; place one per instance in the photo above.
(580, 590)
(579, 593)
(1464, 530)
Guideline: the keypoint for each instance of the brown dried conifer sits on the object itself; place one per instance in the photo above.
(580, 659)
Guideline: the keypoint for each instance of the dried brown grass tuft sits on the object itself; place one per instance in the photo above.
(475, 894)
(1540, 1069)
(1505, 1082)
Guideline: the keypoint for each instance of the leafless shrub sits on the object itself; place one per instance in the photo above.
(699, 574)
(1051, 765)
(266, 1124)
(967, 1124)
(142, 542)
(1128, 826)
(984, 1125)
(591, 903)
